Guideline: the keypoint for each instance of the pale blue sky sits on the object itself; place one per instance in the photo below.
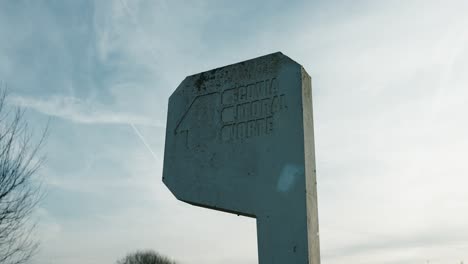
(390, 106)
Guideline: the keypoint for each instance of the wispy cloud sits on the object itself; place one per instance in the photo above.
(80, 111)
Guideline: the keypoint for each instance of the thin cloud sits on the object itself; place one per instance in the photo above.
(80, 111)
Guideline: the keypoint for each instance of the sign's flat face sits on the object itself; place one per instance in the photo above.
(240, 139)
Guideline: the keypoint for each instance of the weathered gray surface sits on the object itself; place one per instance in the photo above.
(240, 139)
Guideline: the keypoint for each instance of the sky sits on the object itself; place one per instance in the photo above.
(390, 114)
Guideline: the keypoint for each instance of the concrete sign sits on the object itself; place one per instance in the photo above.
(240, 139)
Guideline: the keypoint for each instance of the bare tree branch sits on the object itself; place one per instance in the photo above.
(19, 193)
(145, 257)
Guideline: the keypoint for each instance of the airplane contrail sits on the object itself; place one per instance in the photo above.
(144, 141)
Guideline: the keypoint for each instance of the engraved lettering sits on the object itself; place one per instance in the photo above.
(241, 130)
(228, 114)
(275, 104)
(248, 110)
(266, 106)
(273, 86)
(251, 128)
(242, 93)
(256, 109)
(261, 125)
(269, 125)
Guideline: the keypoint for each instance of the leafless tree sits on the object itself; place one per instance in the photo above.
(19, 192)
(145, 257)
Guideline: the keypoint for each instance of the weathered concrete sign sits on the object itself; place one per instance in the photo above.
(240, 139)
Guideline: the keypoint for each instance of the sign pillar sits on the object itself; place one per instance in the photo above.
(240, 139)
